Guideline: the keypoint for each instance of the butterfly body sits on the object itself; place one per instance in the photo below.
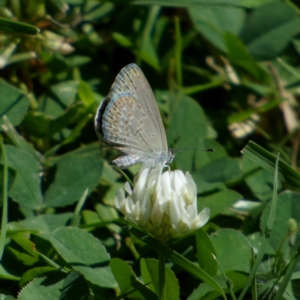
(128, 119)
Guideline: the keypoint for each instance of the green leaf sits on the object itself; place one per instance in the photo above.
(22, 258)
(203, 157)
(212, 22)
(14, 104)
(73, 243)
(60, 5)
(99, 11)
(293, 71)
(238, 280)
(23, 241)
(232, 249)
(6, 274)
(127, 281)
(78, 60)
(179, 3)
(75, 173)
(44, 223)
(149, 270)
(287, 209)
(122, 40)
(240, 57)
(65, 91)
(17, 27)
(269, 29)
(216, 173)
(69, 117)
(56, 285)
(205, 252)
(36, 124)
(266, 160)
(26, 189)
(85, 93)
(34, 272)
(150, 56)
(6, 297)
(90, 217)
(18, 140)
(42, 126)
(179, 125)
(50, 107)
(108, 213)
(217, 202)
(181, 107)
(260, 183)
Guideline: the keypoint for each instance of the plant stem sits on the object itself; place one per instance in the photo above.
(161, 277)
(178, 51)
(5, 200)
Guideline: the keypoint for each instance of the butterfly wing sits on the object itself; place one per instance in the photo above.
(132, 80)
(129, 119)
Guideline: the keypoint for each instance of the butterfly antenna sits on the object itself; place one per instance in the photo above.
(188, 148)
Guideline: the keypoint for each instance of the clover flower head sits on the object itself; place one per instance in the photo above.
(162, 203)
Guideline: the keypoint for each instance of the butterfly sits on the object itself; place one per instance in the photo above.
(128, 119)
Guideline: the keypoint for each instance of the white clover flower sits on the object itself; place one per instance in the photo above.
(164, 204)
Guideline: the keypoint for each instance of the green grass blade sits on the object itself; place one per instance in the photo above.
(180, 3)
(254, 285)
(17, 27)
(272, 285)
(267, 161)
(5, 200)
(50, 262)
(162, 277)
(178, 51)
(287, 277)
(266, 233)
(218, 81)
(227, 280)
(76, 217)
(146, 36)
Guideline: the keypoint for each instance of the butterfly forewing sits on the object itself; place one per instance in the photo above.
(132, 80)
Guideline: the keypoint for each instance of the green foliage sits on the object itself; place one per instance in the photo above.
(223, 72)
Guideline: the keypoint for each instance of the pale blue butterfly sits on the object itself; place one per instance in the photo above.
(128, 119)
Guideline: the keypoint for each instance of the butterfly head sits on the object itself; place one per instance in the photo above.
(165, 157)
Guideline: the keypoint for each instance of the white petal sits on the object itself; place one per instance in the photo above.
(190, 189)
(128, 188)
(202, 217)
(154, 175)
(179, 181)
(192, 212)
(166, 185)
(157, 215)
(175, 212)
